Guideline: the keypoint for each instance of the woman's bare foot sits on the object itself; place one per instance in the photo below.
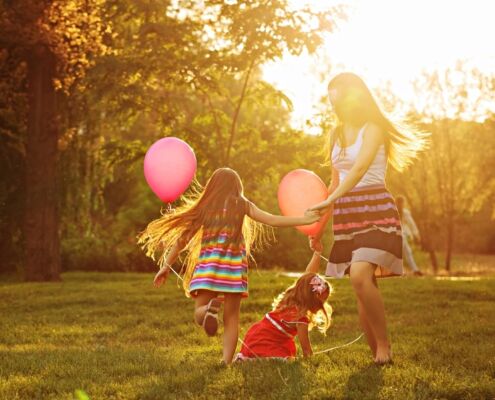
(383, 355)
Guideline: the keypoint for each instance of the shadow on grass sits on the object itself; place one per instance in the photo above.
(272, 379)
(258, 380)
(365, 383)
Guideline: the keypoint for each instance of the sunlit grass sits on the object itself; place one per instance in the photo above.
(112, 336)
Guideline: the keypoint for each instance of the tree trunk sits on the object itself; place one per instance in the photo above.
(236, 113)
(450, 242)
(426, 234)
(41, 216)
(426, 245)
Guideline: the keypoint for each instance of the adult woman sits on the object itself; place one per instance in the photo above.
(410, 231)
(367, 231)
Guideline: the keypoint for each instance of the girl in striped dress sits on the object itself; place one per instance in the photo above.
(218, 227)
(367, 231)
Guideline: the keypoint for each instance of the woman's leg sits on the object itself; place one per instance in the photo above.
(201, 304)
(364, 284)
(231, 311)
(365, 324)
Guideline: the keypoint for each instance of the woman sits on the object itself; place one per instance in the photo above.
(366, 224)
(409, 231)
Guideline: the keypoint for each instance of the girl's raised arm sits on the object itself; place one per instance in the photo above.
(303, 335)
(314, 263)
(279, 220)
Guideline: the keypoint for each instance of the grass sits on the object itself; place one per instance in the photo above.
(112, 336)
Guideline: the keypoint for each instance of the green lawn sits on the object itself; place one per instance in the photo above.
(113, 336)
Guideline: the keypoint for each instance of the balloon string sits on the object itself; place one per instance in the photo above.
(176, 273)
(323, 257)
(339, 347)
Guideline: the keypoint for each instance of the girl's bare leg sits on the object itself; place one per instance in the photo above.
(231, 311)
(368, 332)
(364, 284)
(201, 304)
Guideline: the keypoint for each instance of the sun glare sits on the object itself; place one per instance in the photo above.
(389, 41)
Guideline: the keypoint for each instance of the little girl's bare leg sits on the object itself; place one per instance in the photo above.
(201, 304)
(231, 312)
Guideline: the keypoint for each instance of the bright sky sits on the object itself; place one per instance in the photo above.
(389, 40)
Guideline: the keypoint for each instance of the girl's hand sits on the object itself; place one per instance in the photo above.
(161, 277)
(311, 216)
(322, 207)
(315, 244)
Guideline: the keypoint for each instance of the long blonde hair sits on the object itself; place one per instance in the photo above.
(307, 302)
(356, 105)
(221, 203)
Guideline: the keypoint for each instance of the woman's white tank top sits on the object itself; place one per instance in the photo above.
(344, 162)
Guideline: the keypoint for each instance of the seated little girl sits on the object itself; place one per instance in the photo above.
(295, 312)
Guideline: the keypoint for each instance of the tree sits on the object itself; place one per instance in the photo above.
(54, 39)
(451, 181)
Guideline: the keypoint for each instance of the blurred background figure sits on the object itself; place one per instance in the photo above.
(409, 231)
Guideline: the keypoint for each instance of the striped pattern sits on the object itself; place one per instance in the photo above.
(366, 227)
(364, 208)
(222, 264)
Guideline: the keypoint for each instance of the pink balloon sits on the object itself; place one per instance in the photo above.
(169, 167)
(299, 190)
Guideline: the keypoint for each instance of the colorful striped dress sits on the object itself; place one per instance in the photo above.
(366, 222)
(222, 264)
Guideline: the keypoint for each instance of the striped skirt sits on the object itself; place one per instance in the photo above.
(366, 227)
(221, 268)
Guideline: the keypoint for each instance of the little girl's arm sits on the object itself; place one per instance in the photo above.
(173, 253)
(303, 335)
(279, 220)
(314, 263)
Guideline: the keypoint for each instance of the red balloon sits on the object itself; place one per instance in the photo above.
(299, 190)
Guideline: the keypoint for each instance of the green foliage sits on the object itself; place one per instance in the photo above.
(113, 336)
(178, 73)
(135, 71)
(452, 183)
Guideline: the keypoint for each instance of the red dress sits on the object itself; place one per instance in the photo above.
(273, 336)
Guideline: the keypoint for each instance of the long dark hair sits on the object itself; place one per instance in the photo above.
(356, 105)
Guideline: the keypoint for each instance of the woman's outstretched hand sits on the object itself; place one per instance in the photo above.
(161, 277)
(321, 208)
(311, 216)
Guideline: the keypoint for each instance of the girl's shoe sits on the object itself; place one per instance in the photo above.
(210, 320)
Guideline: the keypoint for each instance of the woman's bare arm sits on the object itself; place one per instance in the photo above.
(372, 139)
